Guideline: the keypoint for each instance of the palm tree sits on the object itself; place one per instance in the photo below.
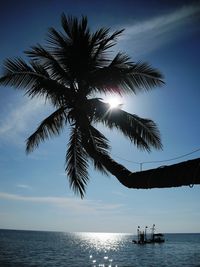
(73, 67)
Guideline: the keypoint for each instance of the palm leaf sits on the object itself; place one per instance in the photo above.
(44, 57)
(95, 142)
(18, 73)
(142, 132)
(145, 76)
(73, 55)
(101, 146)
(35, 80)
(76, 163)
(72, 26)
(104, 41)
(122, 76)
(49, 127)
(56, 39)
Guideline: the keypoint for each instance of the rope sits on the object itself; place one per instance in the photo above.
(166, 160)
(160, 161)
(179, 157)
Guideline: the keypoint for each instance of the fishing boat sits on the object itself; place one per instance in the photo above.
(144, 238)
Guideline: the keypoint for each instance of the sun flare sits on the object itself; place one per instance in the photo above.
(114, 102)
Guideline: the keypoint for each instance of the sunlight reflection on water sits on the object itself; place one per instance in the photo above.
(101, 247)
(102, 241)
(57, 249)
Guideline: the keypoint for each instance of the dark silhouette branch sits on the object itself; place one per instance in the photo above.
(181, 174)
(185, 173)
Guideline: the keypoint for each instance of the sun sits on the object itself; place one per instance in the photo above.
(114, 102)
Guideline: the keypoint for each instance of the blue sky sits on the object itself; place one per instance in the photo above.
(34, 191)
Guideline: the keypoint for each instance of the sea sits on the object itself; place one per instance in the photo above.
(60, 249)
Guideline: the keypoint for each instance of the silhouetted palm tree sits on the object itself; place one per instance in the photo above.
(73, 67)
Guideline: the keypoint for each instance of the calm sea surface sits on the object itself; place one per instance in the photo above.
(32, 248)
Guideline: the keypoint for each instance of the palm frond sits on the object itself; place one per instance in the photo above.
(102, 146)
(110, 41)
(56, 39)
(76, 163)
(122, 76)
(98, 36)
(18, 73)
(104, 41)
(45, 58)
(56, 93)
(68, 24)
(49, 127)
(142, 132)
(145, 76)
(72, 26)
(121, 60)
(101, 142)
(73, 54)
(35, 79)
(95, 142)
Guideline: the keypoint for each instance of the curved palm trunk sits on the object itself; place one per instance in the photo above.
(184, 173)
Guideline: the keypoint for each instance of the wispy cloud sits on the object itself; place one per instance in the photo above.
(17, 122)
(147, 35)
(24, 186)
(118, 193)
(72, 204)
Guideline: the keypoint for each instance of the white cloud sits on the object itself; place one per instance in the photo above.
(149, 34)
(24, 186)
(73, 204)
(118, 193)
(15, 125)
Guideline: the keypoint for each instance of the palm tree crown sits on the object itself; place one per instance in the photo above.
(73, 66)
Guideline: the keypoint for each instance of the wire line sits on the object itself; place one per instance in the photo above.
(160, 161)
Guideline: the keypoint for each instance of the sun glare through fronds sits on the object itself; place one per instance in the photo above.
(114, 102)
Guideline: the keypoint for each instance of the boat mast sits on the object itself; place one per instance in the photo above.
(153, 231)
(145, 233)
(138, 233)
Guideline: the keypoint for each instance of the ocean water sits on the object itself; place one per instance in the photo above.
(58, 249)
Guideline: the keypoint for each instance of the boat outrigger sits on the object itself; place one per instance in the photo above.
(142, 236)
